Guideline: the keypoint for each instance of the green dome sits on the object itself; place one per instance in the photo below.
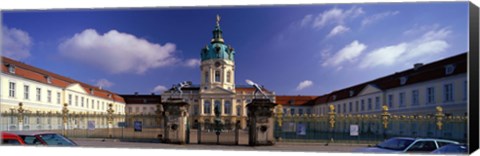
(217, 49)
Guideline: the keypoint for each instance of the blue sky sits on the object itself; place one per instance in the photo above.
(292, 50)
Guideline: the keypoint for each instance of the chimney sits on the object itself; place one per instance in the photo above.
(153, 93)
(417, 65)
(136, 93)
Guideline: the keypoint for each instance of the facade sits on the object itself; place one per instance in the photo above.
(416, 91)
(142, 108)
(296, 105)
(44, 92)
(217, 87)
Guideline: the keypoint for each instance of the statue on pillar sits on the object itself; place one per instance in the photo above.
(178, 87)
(258, 89)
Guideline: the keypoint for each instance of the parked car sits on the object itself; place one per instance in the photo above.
(45, 138)
(407, 145)
(452, 149)
(11, 139)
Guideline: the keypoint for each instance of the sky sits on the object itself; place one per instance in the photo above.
(289, 49)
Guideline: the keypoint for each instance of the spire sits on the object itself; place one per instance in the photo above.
(217, 32)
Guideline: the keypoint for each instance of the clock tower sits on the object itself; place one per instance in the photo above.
(217, 63)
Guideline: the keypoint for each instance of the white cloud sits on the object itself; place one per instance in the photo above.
(335, 16)
(104, 83)
(159, 89)
(429, 44)
(192, 63)
(307, 19)
(304, 84)
(384, 56)
(16, 43)
(376, 17)
(117, 52)
(339, 29)
(348, 53)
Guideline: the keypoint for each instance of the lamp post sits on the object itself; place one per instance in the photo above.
(65, 118)
(218, 122)
(279, 113)
(110, 119)
(439, 117)
(20, 112)
(385, 117)
(331, 118)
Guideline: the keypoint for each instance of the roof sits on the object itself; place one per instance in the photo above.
(427, 72)
(141, 99)
(40, 75)
(295, 100)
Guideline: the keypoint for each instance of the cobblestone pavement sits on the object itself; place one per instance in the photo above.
(279, 146)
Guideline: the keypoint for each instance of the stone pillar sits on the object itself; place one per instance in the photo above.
(20, 112)
(222, 104)
(212, 106)
(201, 107)
(110, 120)
(175, 116)
(261, 121)
(65, 118)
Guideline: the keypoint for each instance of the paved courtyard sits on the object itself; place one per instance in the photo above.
(280, 146)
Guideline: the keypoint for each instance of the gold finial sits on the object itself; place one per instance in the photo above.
(218, 20)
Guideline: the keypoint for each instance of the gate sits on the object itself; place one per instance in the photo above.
(218, 132)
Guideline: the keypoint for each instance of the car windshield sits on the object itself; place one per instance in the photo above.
(56, 140)
(395, 144)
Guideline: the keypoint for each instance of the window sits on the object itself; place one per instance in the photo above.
(207, 107)
(403, 80)
(228, 76)
(430, 95)
(39, 96)
(206, 77)
(423, 146)
(352, 92)
(350, 107)
(69, 99)
(137, 109)
(239, 110)
(49, 79)
(11, 69)
(292, 111)
(390, 101)
(362, 107)
(86, 100)
(217, 76)
(448, 92)
(228, 107)
(195, 109)
(218, 105)
(344, 108)
(356, 106)
(449, 69)
(401, 99)
(49, 96)
(369, 104)
(26, 91)
(98, 105)
(309, 111)
(377, 102)
(415, 98)
(81, 102)
(338, 108)
(11, 89)
(93, 104)
(144, 109)
(129, 109)
(300, 111)
(76, 100)
(58, 97)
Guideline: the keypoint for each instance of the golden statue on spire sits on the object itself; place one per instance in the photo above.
(218, 20)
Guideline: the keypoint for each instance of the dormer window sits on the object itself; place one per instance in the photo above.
(49, 79)
(449, 69)
(403, 80)
(144, 100)
(291, 102)
(91, 91)
(352, 92)
(109, 95)
(11, 68)
(334, 97)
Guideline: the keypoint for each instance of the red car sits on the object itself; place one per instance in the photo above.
(44, 138)
(11, 139)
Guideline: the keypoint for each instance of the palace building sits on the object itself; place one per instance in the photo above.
(217, 87)
(43, 91)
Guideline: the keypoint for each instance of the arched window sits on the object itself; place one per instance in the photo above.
(227, 107)
(206, 77)
(218, 105)
(217, 76)
(239, 110)
(228, 76)
(206, 107)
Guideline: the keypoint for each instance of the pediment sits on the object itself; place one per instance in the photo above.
(369, 89)
(217, 90)
(76, 87)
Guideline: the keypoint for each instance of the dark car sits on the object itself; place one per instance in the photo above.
(452, 149)
(407, 145)
(11, 139)
(45, 138)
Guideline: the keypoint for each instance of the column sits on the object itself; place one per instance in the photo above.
(212, 106)
(222, 104)
(201, 107)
